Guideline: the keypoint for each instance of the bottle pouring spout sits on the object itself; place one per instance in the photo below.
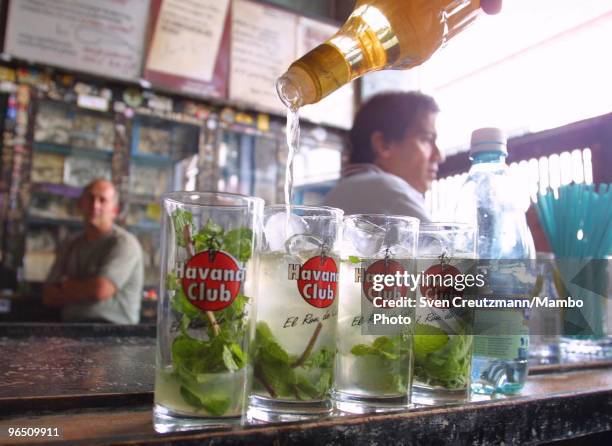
(295, 88)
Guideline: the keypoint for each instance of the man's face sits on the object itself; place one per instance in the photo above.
(415, 158)
(98, 205)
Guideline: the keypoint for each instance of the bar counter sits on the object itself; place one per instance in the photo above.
(95, 384)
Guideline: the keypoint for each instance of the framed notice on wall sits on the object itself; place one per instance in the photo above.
(337, 108)
(263, 47)
(189, 50)
(101, 37)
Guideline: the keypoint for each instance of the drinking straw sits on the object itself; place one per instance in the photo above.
(563, 213)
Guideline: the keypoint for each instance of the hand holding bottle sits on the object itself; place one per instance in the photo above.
(491, 6)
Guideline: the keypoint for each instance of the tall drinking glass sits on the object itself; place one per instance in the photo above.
(294, 346)
(545, 323)
(208, 283)
(374, 359)
(442, 342)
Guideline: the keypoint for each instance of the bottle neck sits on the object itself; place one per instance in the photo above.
(312, 77)
(490, 157)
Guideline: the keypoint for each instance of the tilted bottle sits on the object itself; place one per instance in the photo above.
(379, 34)
(488, 198)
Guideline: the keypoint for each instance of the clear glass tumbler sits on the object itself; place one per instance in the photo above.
(374, 358)
(208, 283)
(586, 332)
(442, 342)
(545, 323)
(294, 346)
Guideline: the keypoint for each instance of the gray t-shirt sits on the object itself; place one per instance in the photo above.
(377, 192)
(118, 257)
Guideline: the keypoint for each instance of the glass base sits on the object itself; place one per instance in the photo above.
(277, 411)
(166, 420)
(507, 388)
(548, 353)
(574, 348)
(493, 375)
(358, 404)
(434, 396)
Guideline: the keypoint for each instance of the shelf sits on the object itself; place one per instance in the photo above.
(34, 220)
(67, 150)
(144, 200)
(151, 160)
(50, 221)
(150, 117)
(62, 190)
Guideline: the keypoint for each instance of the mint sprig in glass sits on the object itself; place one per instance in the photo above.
(208, 285)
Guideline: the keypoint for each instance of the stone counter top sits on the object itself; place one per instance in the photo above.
(95, 383)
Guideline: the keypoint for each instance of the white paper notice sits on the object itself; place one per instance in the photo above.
(187, 38)
(263, 47)
(337, 108)
(89, 35)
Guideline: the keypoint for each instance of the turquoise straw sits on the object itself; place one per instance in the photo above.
(587, 208)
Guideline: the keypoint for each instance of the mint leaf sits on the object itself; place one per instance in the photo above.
(173, 283)
(190, 397)
(267, 349)
(304, 389)
(238, 306)
(354, 259)
(228, 359)
(181, 304)
(362, 350)
(323, 358)
(213, 228)
(386, 348)
(271, 362)
(209, 237)
(263, 333)
(385, 364)
(279, 376)
(238, 243)
(215, 403)
(325, 382)
(448, 366)
(238, 355)
(196, 362)
(324, 361)
(273, 370)
(233, 321)
(194, 356)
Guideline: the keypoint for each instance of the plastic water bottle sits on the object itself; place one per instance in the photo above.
(490, 200)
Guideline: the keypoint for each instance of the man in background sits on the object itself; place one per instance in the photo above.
(393, 159)
(98, 275)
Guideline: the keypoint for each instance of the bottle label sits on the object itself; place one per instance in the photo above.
(513, 344)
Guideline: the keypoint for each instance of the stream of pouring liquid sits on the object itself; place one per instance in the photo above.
(293, 141)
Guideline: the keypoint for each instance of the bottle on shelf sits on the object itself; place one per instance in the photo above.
(489, 199)
(379, 34)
